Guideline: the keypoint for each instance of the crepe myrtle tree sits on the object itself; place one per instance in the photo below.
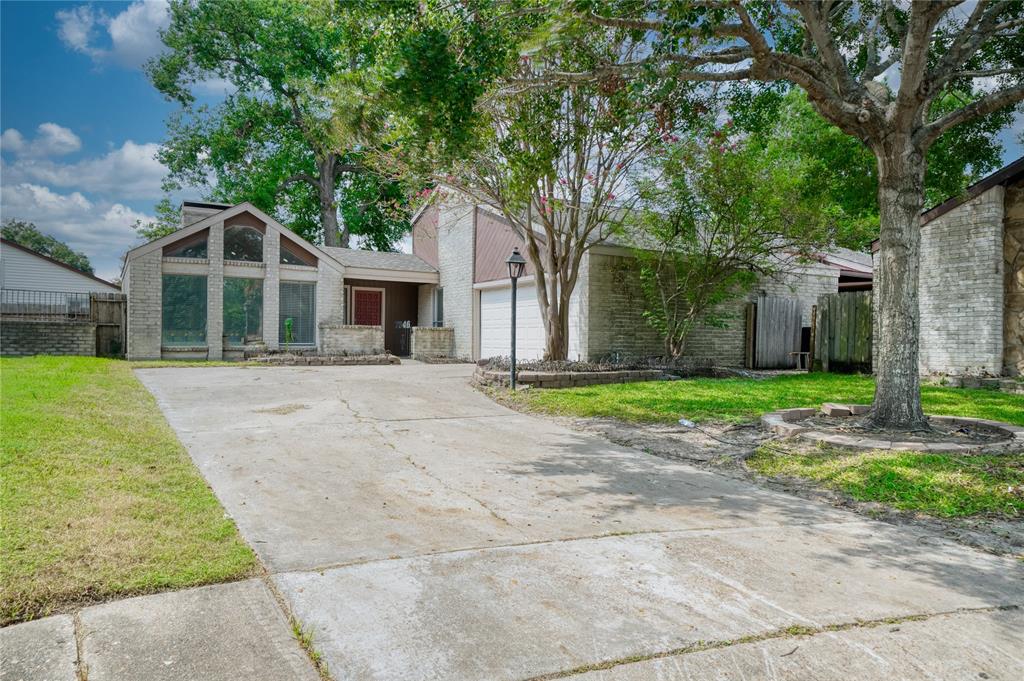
(560, 163)
(839, 53)
(722, 215)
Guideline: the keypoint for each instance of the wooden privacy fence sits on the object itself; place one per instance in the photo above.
(108, 313)
(842, 332)
(773, 333)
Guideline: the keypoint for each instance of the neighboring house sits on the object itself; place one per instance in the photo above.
(45, 306)
(971, 283)
(23, 269)
(232, 278)
(469, 244)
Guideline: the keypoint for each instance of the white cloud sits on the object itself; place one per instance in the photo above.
(127, 39)
(51, 140)
(102, 230)
(130, 171)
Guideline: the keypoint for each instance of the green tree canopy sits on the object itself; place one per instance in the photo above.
(289, 135)
(785, 124)
(29, 236)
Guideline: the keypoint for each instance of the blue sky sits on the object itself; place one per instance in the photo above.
(81, 124)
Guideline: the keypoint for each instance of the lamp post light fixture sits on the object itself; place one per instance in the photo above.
(516, 265)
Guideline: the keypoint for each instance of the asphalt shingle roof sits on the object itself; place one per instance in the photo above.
(405, 262)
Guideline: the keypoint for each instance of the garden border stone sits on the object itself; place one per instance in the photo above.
(786, 423)
(569, 379)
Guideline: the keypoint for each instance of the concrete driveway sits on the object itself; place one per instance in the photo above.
(423, 532)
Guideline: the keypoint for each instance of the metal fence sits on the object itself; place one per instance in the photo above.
(26, 304)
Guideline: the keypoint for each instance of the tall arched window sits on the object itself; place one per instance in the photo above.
(243, 243)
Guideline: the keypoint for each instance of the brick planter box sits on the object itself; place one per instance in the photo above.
(325, 360)
(569, 379)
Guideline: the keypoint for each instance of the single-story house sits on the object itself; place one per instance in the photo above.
(45, 305)
(232, 278)
(22, 269)
(971, 284)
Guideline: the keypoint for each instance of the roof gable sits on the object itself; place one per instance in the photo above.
(226, 214)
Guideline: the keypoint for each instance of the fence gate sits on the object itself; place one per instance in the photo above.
(842, 332)
(108, 313)
(777, 325)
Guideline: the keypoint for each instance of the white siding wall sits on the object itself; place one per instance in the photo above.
(21, 270)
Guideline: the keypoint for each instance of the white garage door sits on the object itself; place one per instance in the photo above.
(495, 323)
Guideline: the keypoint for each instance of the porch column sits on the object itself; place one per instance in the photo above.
(215, 293)
(271, 288)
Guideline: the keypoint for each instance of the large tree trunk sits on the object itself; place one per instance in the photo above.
(901, 169)
(556, 323)
(556, 345)
(326, 181)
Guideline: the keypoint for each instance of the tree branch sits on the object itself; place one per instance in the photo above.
(981, 107)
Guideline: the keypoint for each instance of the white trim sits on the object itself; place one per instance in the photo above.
(419, 211)
(238, 272)
(298, 275)
(383, 299)
(347, 292)
(408, 276)
(503, 283)
(182, 266)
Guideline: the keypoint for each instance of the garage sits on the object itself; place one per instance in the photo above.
(495, 323)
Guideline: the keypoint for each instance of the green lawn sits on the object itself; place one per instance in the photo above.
(942, 485)
(743, 399)
(98, 497)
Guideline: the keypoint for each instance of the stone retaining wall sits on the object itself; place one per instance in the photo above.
(568, 379)
(21, 337)
(349, 339)
(430, 341)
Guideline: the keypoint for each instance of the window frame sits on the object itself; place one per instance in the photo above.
(239, 229)
(163, 312)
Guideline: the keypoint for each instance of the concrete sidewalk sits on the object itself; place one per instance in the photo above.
(220, 632)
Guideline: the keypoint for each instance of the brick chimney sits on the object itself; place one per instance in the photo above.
(194, 211)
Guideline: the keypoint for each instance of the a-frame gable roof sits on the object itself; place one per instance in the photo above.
(225, 214)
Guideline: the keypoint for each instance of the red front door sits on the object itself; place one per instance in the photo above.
(367, 307)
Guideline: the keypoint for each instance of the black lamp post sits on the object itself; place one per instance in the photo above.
(516, 264)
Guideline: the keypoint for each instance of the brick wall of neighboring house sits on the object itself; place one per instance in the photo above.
(348, 339)
(432, 342)
(615, 324)
(20, 337)
(455, 247)
(143, 285)
(1013, 268)
(961, 288)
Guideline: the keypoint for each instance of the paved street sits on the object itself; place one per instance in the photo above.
(420, 531)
